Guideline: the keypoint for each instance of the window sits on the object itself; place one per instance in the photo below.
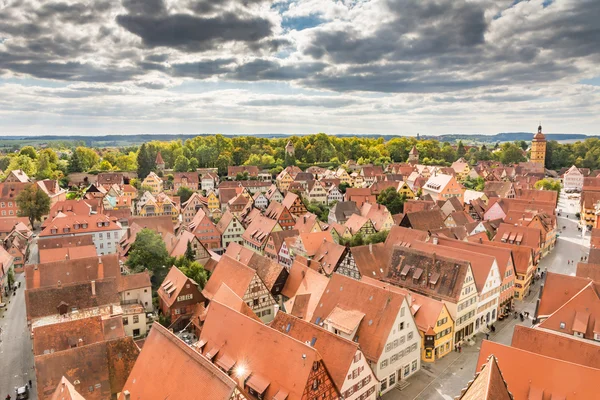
(401, 326)
(402, 312)
(136, 332)
(562, 325)
(407, 370)
(414, 366)
(392, 379)
(383, 364)
(384, 384)
(108, 235)
(136, 319)
(125, 320)
(410, 335)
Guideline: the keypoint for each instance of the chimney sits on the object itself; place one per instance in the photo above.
(80, 342)
(435, 240)
(93, 288)
(127, 395)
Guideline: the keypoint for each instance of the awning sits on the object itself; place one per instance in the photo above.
(225, 362)
(258, 383)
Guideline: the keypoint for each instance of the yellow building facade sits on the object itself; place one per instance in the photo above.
(405, 190)
(437, 341)
(538, 148)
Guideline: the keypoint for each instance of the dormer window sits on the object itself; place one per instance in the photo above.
(84, 225)
(54, 231)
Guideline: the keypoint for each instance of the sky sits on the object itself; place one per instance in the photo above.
(92, 67)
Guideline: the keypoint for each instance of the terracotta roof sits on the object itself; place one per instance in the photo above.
(303, 281)
(461, 218)
(529, 375)
(503, 256)
(58, 337)
(379, 306)
(312, 241)
(45, 301)
(75, 225)
(327, 257)
(550, 196)
(531, 237)
(239, 253)
(586, 270)
(557, 345)
(106, 363)
(337, 352)
(400, 235)
(355, 223)
(580, 314)
(273, 362)
(305, 223)
(371, 259)
(522, 255)
(418, 205)
(259, 230)
(67, 253)
(227, 297)
(134, 281)
(502, 188)
(559, 289)
(488, 384)
(279, 237)
(344, 209)
(79, 270)
(424, 220)
(377, 213)
(172, 284)
(289, 199)
(66, 391)
(161, 224)
(413, 268)
(267, 269)
(8, 223)
(234, 274)
(70, 207)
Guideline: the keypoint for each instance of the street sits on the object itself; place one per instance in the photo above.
(16, 355)
(444, 379)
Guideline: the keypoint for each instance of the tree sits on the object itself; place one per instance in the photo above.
(184, 194)
(511, 154)
(145, 164)
(460, 149)
(149, 251)
(33, 203)
(189, 252)
(343, 186)
(28, 151)
(23, 163)
(548, 184)
(44, 167)
(182, 164)
(105, 166)
(87, 158)
(193, 165)
(193, 270)
(10, 278)
(75, 163)
(393, 200)
(474, 184)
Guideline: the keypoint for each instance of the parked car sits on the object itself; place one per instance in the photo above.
(23, 393)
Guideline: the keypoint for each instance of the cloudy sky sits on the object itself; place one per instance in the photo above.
(299, 66)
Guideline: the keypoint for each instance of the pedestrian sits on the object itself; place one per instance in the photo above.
(30, 386)
(459, 348)
(487, 336)
(8, 397)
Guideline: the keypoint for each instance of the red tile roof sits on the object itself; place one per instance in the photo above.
(558, 289)
(234, 274)
(169, 368)
(171, 287)
(529, 375)
(305, 282)
(488, 384)
(66, 253)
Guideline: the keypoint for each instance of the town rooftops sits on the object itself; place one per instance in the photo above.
(557, 345)
(424, 220)
(66, 253)
(327, 257)
(66, 391)
(532, 376)
(68, 241)
(380, 308)
(79, 224)
(233, 273)
(305, 282)
(259, 230)
(266, 360)
(488, 384)
(559, 289)
(426, 272)
(437, 183)
(169, 368)
(171, 287)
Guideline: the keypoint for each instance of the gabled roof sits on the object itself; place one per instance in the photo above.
(355, 223)
(327, 257)
(379, 306)
(306, 282)
(424, 220)
(312, 241)
(169, 368)
(338, 353)
(557, 345)
(587, 270)
(172, 284)
(66, 253)
(401, 235)
(305, 223)
(259, 229)
(558, 289)
(437, 183)
(488, 384)
(371, 259)
(279, 236)
(66, 391)
(234, 274)
(529, 375)
(273, 362)
(503, 256)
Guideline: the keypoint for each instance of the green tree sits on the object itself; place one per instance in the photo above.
(149, 251)
(28, 151)
(193, 165)
(127, 162)
(145, 164)
(548, 184)
(393, 200)
(189, 252)
(184, 194)
(193, 270)
(75, 163)
(182, 164)
(460, 149)
(343, 186)
(33, 203)
(105, 166)
(44, 167)
(511, 154)
(88, 158)
(23, 163)
(474, 184)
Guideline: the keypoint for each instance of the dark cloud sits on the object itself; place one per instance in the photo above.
(261, 69)
(192, 33)
(208, 6)
(150, 7)
(202, 69)
(76, 13)
(71, 71)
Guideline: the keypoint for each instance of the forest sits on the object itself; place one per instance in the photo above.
(218, 151)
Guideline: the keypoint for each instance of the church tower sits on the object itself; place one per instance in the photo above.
(413, 155)
(538, 148)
